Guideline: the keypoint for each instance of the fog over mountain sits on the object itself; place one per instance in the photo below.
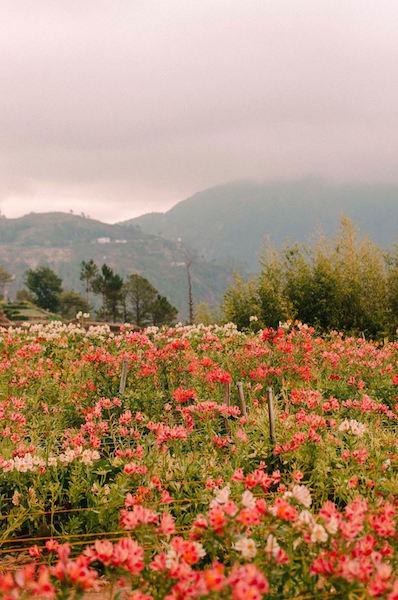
(232, 221)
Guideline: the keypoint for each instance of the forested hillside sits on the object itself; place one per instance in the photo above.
(61, 241)
(231, 221)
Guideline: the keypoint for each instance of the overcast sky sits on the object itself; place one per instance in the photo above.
(121, 107)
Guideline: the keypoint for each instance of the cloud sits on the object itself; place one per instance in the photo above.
(116, 108)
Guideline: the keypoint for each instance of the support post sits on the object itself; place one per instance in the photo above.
(123, 377)
(227, 402)
(242, 398)
(227, 394)
(271, 415)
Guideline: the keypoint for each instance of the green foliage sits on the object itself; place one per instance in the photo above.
(241, 301)
(110, 285)
(25, 310)
(88, 273)
(140, 295)
(347, 285)
(24, 296)
(162, 311)
(274, 305)
(46, 286)
(207, 315)
(70, 303)
(145, 305)
(392, 286)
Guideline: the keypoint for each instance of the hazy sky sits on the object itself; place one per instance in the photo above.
(120, 107)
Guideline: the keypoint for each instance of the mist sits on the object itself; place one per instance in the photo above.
(119, 108)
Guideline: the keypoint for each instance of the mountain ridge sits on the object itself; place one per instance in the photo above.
(230, 221)
(62, 240)
(223, 227)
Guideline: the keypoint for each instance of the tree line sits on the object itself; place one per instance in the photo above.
(347, 284)
(133, 299)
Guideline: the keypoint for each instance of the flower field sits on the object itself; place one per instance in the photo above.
(173, 489)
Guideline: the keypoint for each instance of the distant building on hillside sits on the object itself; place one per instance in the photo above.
(108, 240)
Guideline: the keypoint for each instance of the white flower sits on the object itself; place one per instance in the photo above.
(89, 456)
(67, 457)
(353, 426)
(248, 500)
(171, 558)
(318, 534)
(199, 549)
(15, 498)
(332, 525)
(272, 547)
(222, 496)
(357, 428)
(305, 518)
(25, 464)
(253, 318)
(302, 494)
(246, 546)
(344, 426)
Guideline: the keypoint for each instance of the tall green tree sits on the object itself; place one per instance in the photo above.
(45, 286)
(88, 274)
(162, 311)
(145, 305)
(361, 268)
(110, 285)
(140, 297)
(241, 301)
(274, 304)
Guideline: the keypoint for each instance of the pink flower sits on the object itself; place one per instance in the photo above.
(167, 524)
(104, 551)
(35, 551)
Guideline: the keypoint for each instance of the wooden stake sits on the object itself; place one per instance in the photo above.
(227, 393)
(242, 398)
(271, 415)
(123, 377)
(227, 401)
